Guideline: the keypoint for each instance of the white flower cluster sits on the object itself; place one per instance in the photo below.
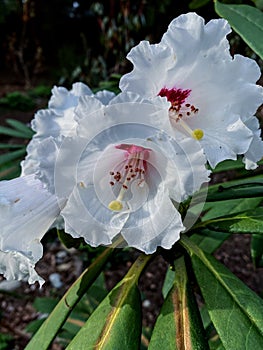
(103, 166)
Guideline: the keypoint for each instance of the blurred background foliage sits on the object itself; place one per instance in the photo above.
(63, 41)
(58, 42)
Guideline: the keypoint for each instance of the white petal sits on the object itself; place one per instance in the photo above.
(255, 151)
(220, 144)
(27, 212)
(85, 216)
(146, 58)
(41, 160)
(105, 96)
(189, 37)
(157, 223)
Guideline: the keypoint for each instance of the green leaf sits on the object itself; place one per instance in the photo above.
(13, 132)
(257, 249)
(116, 323)
(231, 206)
(246, 21)
(10, 145)
(224, 192)
(179, 324)
(168, 282)
(209, 240)
(45, 305)
(16, 124)
(195, 4)
(49, 329)
(5, 341)
(68, 240)
(232, 165)
(246, 222)
(235, 310)
(7, 157)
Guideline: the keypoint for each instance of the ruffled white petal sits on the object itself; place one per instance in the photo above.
(56, 122)
(255, 152)
(27, 212)
(86, 217)
(157, 223)
(146, 58)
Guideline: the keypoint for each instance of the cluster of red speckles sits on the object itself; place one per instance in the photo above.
(179, 108)
(133, 167)
(175, 96)
(129, 173)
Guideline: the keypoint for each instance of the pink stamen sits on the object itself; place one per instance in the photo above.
(133, 167)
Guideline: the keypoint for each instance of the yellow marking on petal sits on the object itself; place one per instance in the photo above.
(81, 184)
(115, 205)
(197, 134)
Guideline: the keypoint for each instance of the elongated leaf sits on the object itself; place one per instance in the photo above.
(10, 145)
(49, 329)
(246, 21)
(179, 324)
(231, 192)
(168, 282)
(116, 323)
(235, 310)
(246, 222)
(257, 249)
(231, 206)
(16, 124)
(12, 132)
(7, 157)
(209, 240)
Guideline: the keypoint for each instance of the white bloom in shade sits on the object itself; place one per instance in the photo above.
(54, 123)
(27, 211)
(121, 171)
(211, 94)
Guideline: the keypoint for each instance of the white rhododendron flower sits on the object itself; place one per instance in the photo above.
(121, 171)
(212, 95)
(27, 211)
(118, 171)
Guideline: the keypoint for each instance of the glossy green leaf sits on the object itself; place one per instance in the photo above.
(179, 324)
(210, 240)
(7, 157)
(10, 145)
(235, 192)
(168, 281)
(257, 250)
(231, 206)
(246, 21)
(246, 222)
(49, 329)
(116, 322)
(19, 126)
(12, 132)
(235, 310)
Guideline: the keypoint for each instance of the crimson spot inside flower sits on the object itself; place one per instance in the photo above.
(179, 108)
